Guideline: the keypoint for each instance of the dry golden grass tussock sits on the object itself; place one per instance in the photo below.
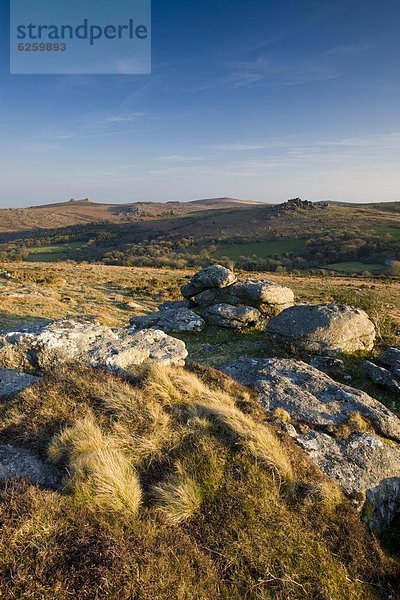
(357, 423)
(101, 474)
(324, 492)
(282, 415)
(179, 386)
(104, 479)
(179, 497)
(148, 434)
(84, 437)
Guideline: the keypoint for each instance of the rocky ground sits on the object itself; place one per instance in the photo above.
(298, 355)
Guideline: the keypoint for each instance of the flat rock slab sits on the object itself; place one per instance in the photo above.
(214, 276)
(384, 377)
(18, 463)
(357, 463)
(391, 357)
(70, 341)
(383, 504)
(324, 328)
(270, 299)
(12, 382)
(233, 317)
(170, 320)
(309, 395)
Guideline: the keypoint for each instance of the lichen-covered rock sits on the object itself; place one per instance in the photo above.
(269, 298)
(170, 320)
(383, 377)
(309, 395)
(391, 357)
(12, 382)
(18, 463)
(356, 464)
(327, 363)
(317, 405)
(214, 276)
(175, 304)
(70, 341)
(325, 328)
(382, 504)
(233, 317)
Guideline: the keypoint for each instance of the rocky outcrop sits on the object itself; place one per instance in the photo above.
(233, 317)
(170, 320)
(389, 377)
(214, 276)
(382, 504)
(326, 329)
(320, 409)
(12, 382)
(391, 357)
(382, 377)
(357, 463)
(18, 463)
(309, 395)
(269, 298)
(67, 341)
(175, 304)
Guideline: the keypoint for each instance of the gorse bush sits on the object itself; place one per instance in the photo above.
(173, 486)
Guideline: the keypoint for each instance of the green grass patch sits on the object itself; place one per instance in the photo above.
(52, 253)
(384, 230)
(263, 249)
(356, 267)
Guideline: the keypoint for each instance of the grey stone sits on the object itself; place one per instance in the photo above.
(12, 382)
(383, 377)
(315, 402)
(18, 463)
(309, 395)
(357, 463)
(233, 317)
(327, 362)
(5, 275)
(269, 298)
(170, 320)
(326, 329)
(391, 357)
(71, 341)
(213, 276)
(174, 304)
(382, 504)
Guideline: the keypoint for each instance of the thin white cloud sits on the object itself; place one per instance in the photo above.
(279, 70)
(183, 158)
(127, 117)
(351, 48)
(379, 141)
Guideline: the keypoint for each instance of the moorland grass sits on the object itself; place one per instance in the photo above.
(174, 486)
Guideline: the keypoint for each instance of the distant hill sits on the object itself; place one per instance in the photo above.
(220, 217)
(224, 202)
(381, 206)
(79, 212)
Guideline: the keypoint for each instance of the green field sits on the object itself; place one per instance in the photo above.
(51, 253)
(384, 230)
(355, 267)
(264, 249)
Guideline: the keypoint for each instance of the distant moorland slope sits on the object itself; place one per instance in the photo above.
(294, 235)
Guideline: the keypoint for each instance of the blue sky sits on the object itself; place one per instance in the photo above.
(260, 99)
